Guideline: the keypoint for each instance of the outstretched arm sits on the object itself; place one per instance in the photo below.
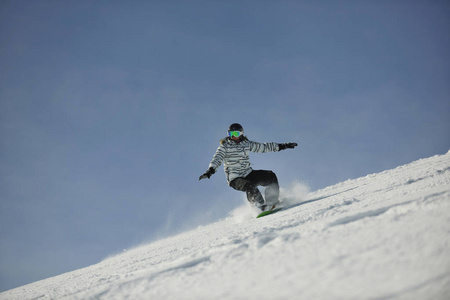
(263, 147)
(215, 163)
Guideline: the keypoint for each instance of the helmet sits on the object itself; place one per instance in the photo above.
(235, 127)
(235, 130)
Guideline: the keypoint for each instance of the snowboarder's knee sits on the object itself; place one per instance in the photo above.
(243, 185)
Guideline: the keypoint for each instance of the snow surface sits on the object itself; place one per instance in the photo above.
(382, 236)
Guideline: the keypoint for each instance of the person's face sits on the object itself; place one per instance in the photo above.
(236, 135)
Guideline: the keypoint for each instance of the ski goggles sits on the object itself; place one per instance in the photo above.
(235, 133)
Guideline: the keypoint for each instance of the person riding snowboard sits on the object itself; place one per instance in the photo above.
(234, 153)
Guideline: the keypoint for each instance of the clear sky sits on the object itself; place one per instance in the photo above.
(111, 110)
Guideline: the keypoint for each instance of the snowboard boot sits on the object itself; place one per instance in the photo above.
(261, 206)
(254, 196)
(267, 207)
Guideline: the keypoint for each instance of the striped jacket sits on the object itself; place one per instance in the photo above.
(235, 156)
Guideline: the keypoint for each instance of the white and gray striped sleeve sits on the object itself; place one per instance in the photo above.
(218, 157)
(263, 147)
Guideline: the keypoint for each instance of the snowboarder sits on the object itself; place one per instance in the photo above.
(233, 151)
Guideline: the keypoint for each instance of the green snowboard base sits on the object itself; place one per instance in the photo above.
(269, 212)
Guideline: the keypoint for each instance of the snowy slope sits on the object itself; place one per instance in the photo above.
(383, 236)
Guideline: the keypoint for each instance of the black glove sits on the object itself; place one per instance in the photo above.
(207, 174)
(286, 146)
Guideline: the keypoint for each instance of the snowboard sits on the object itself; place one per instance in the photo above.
(269, 212)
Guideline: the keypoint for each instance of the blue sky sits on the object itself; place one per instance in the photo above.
(111, 110)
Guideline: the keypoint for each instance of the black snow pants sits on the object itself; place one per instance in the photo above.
(250, 183)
